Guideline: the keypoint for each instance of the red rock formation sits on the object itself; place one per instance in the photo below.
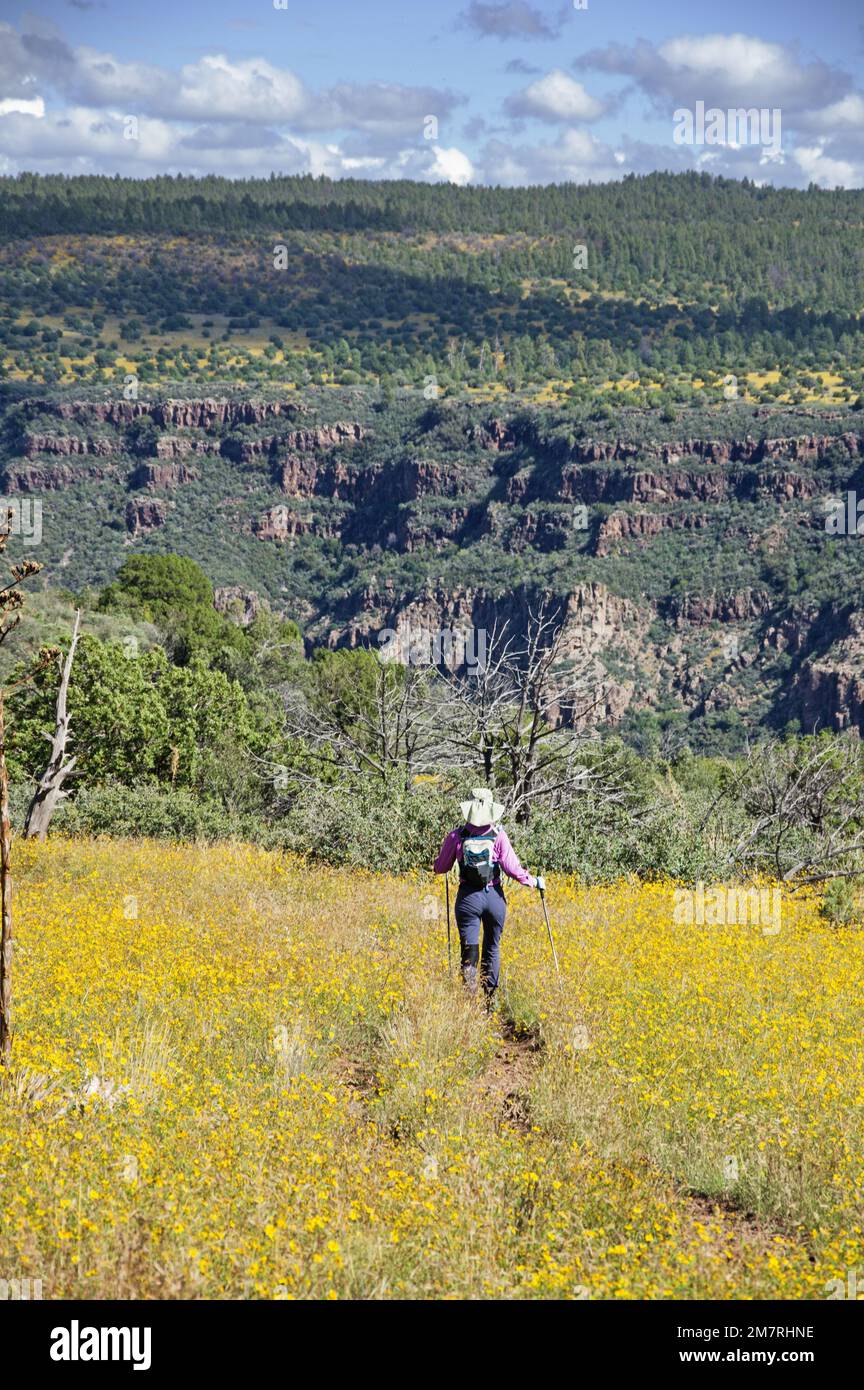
(626, 526)
(143, 515)
(162, 475)
(281, 523)
(68, 445)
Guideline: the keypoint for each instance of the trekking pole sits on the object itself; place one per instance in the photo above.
(549, 930)
(447, 891)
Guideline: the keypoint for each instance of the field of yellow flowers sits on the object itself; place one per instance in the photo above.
(236, 1075)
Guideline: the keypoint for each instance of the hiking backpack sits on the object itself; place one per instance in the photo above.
(477, 867)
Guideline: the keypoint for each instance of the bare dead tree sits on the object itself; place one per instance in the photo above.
(383, 734)
(545, 734)
(50, 790)
(472, 707)
(524, 721)
(804, 802)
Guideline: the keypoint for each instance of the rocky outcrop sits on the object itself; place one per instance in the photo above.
(162, 475)
(415, 530)
(780, 486)
(495, 434)
(266, 471)
(701, 609)
(310, 441)
(830, 697)
(499, 435)
(460, 627)
(325, 437)
(207, 413)
(68, 445)
(826, 688)
(145, 515)
(300, 477)
(333, 479)
(413, 478)
(619, 528)
(171, 446)
(282, 523)
(49, 477)
(576, 483)
(189, 414)
(788, 635)
(241, 605)
(305, 475)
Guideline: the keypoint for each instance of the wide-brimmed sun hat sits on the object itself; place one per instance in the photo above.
(484, 809)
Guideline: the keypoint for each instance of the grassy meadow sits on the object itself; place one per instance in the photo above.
(238, 1075)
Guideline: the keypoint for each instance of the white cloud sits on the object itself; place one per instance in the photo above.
(555, 97)
(93, 78)
(721, 70)
(36, 107)
(213, 88)
(738, 60)
(844, 115)
(84, 135)
(576, 156)
(251, 90)
(821, 168)
(382, 108)
(214, 114)
(90, 140)
(734, 71)
(450, 166)
(65, 108)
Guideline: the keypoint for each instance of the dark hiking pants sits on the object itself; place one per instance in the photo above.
(486, 905)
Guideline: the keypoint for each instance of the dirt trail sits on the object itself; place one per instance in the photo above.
(507, 1082)
(507, 1078)
(733, 1233)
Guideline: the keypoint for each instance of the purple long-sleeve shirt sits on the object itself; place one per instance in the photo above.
(503, 853)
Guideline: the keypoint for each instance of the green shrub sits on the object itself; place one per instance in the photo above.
(840, 902)
(146, 811)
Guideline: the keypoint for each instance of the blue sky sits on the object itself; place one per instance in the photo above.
(520, 92)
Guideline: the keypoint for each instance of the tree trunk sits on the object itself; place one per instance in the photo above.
(50, 788)
(6, 905)
(488, 748)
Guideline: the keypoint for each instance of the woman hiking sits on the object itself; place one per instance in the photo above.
(482, 850)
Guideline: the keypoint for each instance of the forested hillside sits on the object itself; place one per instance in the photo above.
(665, 287)
(383, 406)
